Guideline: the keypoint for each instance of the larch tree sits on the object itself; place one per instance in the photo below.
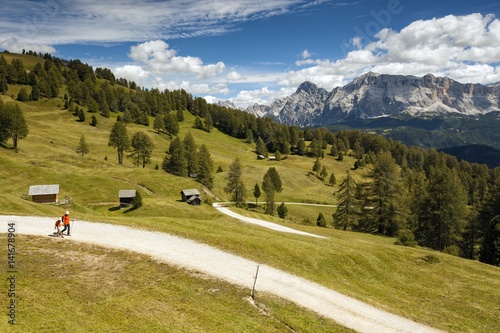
(190, 154)
(385, 193)
(175, 161)
(235, 186)
(269, 189)
(12, 123)
(158, 123)
(256, 192)
(118, 138)
(142, 149)
(83, 147)
(205, 167)
(348, 206)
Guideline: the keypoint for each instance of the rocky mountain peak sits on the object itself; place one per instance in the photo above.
(374, 95)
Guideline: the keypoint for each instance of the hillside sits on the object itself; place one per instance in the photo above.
(365, 266)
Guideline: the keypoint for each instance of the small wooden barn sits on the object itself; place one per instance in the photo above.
(191, 196)
(126, 197)
(44, 193)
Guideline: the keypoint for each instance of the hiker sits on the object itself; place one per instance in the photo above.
(65, 220)
(58, 226)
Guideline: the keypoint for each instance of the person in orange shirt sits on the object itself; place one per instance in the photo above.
(58, 226)
(65, 220)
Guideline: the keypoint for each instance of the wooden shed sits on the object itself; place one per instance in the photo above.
(126, 197)
(194, 200)
(190, 194)
(44, 193)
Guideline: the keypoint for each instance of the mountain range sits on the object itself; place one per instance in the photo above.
(375, 95)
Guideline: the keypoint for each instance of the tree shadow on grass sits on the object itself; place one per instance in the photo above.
(113, 209)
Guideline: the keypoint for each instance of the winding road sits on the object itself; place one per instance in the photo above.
(200, 257)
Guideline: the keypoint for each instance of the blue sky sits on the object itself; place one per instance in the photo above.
(256, 51)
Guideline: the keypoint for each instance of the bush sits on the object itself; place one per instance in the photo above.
(406, 238)
(137, 200)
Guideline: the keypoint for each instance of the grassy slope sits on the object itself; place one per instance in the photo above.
(458, 295)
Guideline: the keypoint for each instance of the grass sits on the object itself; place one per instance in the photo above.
(447, 292)
(71, 287)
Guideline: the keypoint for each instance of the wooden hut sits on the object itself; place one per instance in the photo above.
(44, 193)
(126, 197)
(190, 196)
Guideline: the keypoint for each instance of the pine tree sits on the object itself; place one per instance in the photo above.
(260, 147)
(137, 200)
(275, 178)
(321, 221)
(332, 181)
(93, 120)
(171, 124)
(208, 123)
(205, 167)
(442, 213)
(12, 123)
(317, 166)
(282, 210)
(256, 192)
(269, 189)
(23, 95)
(198, 124)
(175, 162)
(489, 218)
(348, 207)
(118, 138)
(82, 148)
(235, 185)
(301, 147)
(35, 93)
(387, 213)
(190, 154)
(158, 123)
(142, 149)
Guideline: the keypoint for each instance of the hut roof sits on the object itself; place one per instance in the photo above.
(126, 193)
(191, 191)
(44, 189)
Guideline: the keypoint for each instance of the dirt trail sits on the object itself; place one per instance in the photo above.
(203, 258)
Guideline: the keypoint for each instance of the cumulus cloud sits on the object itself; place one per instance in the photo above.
(305, 54)
(464, 48)
(132, 73)
(234, 76)
(158, 58)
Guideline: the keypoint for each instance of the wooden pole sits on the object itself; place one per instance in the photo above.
(254, 282)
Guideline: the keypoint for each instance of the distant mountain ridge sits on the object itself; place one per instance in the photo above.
(375, 95)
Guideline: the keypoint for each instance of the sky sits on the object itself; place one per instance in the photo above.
(258, 51)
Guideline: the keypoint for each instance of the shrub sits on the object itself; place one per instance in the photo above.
(406, 238)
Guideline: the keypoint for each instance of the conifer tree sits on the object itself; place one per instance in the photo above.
(158, 123)
(205, 167)
(190, 154)
(282, 210)
(12, 123)
(208, 123)
(23, 95)
(348, 206)
(442, 212)
(332, 181)
(321, 221)
(82, 148)
(387, 213)
(235, 186)
(256, 192)
(269, 189)
(175, 162)
(142, 149)
(118, 138)
(489, 217)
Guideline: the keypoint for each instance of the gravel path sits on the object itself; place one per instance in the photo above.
(201, 257)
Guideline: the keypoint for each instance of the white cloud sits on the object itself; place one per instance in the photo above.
(52, 22)
(305, 54)
(132, 73)
(234, 76)
(465, 48)
(158, 58)
(17, 45)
